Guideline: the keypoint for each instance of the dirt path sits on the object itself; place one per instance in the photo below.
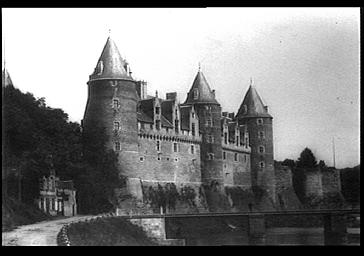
(39, 234)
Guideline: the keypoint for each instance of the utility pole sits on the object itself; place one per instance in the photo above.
(333, 151)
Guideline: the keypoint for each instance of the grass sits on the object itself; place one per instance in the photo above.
(111, 231)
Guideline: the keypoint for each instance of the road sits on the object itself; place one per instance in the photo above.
(38, 234)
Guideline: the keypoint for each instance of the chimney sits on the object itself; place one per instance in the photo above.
(141, 87)
(171, 96)
(225, 114)
(232, 115)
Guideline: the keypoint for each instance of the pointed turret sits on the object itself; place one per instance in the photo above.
(252, 105)
(200, 91)
(6, 80)
(110, 64)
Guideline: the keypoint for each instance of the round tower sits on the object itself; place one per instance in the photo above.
(209, 114)
(254, 114)
(111, 105)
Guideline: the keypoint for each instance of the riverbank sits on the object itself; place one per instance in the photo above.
(112, 231)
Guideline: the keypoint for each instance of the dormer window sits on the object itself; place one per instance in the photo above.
(158, 124)
(157, 110)
(195, 94)
(193, 129)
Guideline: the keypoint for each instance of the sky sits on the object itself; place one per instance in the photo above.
(304, 63)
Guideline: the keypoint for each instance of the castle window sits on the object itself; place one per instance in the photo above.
(142, 126)
(151, 126)
(224, 155)
(117, 146)
(157, 110)
(210, 156)
(193, 115)
(195, 94)
(176, 159)
(158, 124)
(159, 156)
(261, 149)
(209, 122)
(261, 164)
(116, 126)
(193, 129)
(116, 103)
(237, 140)
(246, 142)
(236, 157)
(259, 121)
(261, 134)
(225, 138)
(244, 158)
(176, 126)
(210, 139)
(175, 147)
(192, 149)
(158, 145)
(141, 159)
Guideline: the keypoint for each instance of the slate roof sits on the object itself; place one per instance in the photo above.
(205, 94)
(64, 184)
(254, 105)
(110, 64)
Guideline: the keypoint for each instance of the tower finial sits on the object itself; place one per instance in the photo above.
(251, 81)
(156, 93)
(199, 66)
(109, 32)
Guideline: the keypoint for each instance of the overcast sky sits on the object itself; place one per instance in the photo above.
(304, 63)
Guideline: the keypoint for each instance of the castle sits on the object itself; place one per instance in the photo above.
(195, 142)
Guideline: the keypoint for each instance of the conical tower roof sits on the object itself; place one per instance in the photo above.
(204, 93)
(6, 80)
(110, 64)
(252, 105)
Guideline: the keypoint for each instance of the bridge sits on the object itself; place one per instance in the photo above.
(169, 225)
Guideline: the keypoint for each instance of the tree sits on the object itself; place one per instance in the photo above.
(306, 159)
(289, 162)
(322, 164)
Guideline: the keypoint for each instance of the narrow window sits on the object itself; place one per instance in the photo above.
(224, 155)
(176, 123)
(246, 142)
(192, 149)
(236, 157)
(193, 129)
(176, 159)
(175, 147)
(117, 146)
(210, 156)
(158, 145)
(261, 149)
(225, 138)
(157, 110)
(237, 140)
(259, 121)
(159, 156)
(142, 126)
(151, 126)
(244, 158)
(158, 124)
(261, 164)
(116, 126)
(116, 103)
(195, 94)
(141, 159)
(193, 115)
(261, 134)
(209, 122)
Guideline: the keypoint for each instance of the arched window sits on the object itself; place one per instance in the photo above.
(261, 164)
(210, 156)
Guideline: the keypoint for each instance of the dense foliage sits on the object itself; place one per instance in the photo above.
(38, 138)
(108, 232)
(350, 184)
(306, 159)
